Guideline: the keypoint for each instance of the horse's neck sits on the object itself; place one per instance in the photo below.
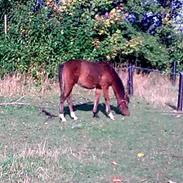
(118, 90)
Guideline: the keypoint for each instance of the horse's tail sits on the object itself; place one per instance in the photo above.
(60, 73)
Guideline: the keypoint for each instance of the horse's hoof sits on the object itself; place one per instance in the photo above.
(73, 116)
(111, 116)
(62, 118)
(95, 115)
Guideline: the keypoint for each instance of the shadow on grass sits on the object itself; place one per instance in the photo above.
(89, 106)
(171, 106)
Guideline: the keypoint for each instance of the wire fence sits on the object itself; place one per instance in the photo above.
(173, 77)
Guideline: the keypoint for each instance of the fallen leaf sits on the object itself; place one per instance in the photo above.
(116, 180)
(114, 163)
(140, 155)
(178, 116)
(170, 181)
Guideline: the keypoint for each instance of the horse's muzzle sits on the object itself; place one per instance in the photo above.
(126, 113)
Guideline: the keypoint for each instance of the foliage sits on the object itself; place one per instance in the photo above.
(40, 37)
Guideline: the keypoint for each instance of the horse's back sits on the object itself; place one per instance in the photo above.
(82, 66)
(87, 74)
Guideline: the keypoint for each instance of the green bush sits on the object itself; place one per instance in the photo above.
(37, 42)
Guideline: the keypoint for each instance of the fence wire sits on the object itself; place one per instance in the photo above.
(168, 88)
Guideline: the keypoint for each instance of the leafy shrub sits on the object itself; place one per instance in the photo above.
(96, 30)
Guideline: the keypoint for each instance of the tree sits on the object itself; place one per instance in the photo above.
(137, 31)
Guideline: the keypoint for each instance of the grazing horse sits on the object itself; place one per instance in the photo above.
(99, 76)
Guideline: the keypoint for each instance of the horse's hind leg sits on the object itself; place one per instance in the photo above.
(107, 103)
(72, 114)
(61, 109)
(64, 95)
(96, 101)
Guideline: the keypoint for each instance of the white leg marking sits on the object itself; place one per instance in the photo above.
(73, 115)
(106, 109)
(61, 116)
(111, 116)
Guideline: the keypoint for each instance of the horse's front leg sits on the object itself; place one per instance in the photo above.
(96, 101)
(107, 103)
(72, 114)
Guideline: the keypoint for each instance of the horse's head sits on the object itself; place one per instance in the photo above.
(123, 105)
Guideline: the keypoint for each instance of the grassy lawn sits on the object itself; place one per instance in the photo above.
(36, 149)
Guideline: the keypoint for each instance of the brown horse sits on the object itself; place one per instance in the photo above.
(99, 76)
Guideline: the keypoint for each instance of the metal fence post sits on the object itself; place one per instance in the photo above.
(130, 80)
(180, 95)
(173, 72)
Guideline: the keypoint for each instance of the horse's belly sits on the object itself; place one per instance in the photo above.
(88, 83)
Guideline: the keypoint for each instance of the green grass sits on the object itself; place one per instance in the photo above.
(34, 149)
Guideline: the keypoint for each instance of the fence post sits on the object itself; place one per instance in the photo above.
(5, 24)
(130, 80)
(180, 95)
(173, 72)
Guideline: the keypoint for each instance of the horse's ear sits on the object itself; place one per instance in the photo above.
(127, 98)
